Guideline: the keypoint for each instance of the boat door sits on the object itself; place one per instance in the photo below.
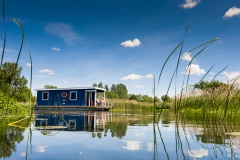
(89, 94)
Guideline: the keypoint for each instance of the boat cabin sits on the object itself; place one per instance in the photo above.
(84, 121)
(70, 97)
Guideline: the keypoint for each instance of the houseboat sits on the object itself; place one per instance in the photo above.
(51, 123)
(81, 98)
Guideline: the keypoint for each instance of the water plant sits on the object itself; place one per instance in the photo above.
(8, 106)
(6, 101)
(214, 100)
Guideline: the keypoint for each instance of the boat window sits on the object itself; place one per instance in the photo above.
(73, 95)
(72, 124)
(43, 123)
(44, 95)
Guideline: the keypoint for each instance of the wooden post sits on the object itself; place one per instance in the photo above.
(104, 98)
(95, 97)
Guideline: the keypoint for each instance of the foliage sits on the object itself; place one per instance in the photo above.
(117, 129)
(132, 97)
(100, 85)
(132, 105)
(106, 87)
(223, 97)
(118, 91)
(121, 90)
(166, 98)
(9, 136)
(213, 85)
(8, 106)
(49, 86)
(12, 83)
(142, 98)
(111, 95)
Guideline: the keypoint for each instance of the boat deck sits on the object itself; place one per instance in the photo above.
(89, 108)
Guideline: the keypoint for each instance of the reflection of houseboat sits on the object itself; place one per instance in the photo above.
(81, 121)
(82, 98)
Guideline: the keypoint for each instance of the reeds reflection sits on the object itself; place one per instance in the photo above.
(127, 135)
(197, 137)
(10, 135)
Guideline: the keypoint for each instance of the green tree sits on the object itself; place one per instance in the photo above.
(132, 97)
(206, 86)
(106, 87)
(100, 85)
(157, 99)
(150, 100)
(121, 91)
(49, 86)
(113, 88)
(10, 136)
(111, 95)
(12, 83)
(140, 98)
(117, 129)
(94, 85)
(165, 98)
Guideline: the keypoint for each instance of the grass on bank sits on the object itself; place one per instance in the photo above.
(132, 105)
(9, 107)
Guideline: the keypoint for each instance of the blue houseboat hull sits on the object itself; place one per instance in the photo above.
(77, 98)
(80, 108)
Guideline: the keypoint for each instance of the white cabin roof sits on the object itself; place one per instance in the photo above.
(72, 88)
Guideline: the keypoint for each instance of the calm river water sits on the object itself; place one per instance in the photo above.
(118, 136)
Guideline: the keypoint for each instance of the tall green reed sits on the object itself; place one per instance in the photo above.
(20, 51)
(4, 22)
(177, 101)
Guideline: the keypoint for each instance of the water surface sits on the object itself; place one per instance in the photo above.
(122, 135)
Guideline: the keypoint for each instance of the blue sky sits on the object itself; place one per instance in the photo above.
(76, 43)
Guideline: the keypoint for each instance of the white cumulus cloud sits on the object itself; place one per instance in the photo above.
(23, 154)
(150, 146)
(8, 50)
(187, 56)
(41, 148)
(194, 69)
(232, 12)
(137, 86)
(139, 134)
(231, 75)
(132, 77)
(133, 145)
(133, 43)
(190, 3)
(66, 82)
(63, 31)
(56, 49)
(198, 153)
(46, 71)
(150, 75)
(28, 64)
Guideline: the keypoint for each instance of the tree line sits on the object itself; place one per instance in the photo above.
(120, 91)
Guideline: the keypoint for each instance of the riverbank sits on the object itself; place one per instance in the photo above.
(9, 107)
(132, 105)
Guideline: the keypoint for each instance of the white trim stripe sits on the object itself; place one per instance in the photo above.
(73, 88)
